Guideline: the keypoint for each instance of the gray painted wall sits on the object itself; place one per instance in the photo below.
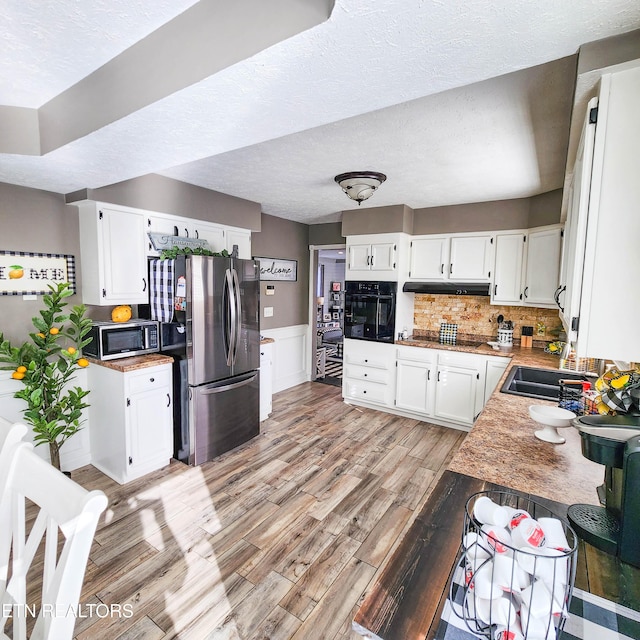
(166, 195)
(392, 219)
(38, 221)
(521, 213)
(280, 238)
(325, 234)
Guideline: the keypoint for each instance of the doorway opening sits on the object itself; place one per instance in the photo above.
(329, 264)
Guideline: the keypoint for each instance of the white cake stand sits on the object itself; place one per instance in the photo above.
(552, 418)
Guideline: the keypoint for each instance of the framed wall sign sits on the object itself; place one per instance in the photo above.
(335, 286)
(24, 273)
(278, 269)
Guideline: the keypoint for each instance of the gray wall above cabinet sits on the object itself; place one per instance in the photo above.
(166, 195)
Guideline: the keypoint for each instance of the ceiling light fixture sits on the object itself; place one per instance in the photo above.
(360, 185)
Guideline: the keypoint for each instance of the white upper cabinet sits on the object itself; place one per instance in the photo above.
(212, 233)
(462, 258)
(373, 257)
(527, 267)
(113, 247)
(542, 270)
(429, 258)
(219, 237)
(570, 287)
(507, 281)
(471, 258)
(239, 237)
(607, 318)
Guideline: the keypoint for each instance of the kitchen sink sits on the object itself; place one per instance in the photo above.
(531, 382)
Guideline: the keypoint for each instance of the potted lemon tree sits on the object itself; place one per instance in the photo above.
(46, 365)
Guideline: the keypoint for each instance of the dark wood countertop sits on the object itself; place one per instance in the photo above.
(407, 599)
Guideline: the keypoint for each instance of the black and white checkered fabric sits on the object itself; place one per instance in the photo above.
(161, 296)
(590, 618)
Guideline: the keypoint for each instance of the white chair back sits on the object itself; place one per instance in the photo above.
(10, 435)
(63, 507)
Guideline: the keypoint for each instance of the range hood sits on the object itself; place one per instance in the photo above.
(449, 288)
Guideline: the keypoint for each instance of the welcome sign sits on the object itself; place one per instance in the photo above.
(23, 273)
(278, 269)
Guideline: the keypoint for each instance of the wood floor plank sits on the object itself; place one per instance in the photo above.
(278, 625)
(379, 542)
(274, 540)
(260, 565)
(338, 603)
(309, 590)
(269, 530)
(247, 618)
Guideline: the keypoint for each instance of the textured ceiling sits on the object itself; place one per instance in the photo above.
(454, 101)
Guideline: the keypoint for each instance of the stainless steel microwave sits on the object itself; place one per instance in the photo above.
(122, 339)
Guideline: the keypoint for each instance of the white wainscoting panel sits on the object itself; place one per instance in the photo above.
(76, 451)
(290, 355)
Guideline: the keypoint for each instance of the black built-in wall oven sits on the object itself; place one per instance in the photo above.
(370, 310)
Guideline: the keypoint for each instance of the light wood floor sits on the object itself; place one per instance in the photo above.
(277, 539)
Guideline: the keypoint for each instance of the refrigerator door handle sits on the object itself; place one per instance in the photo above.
(238, 309)
(230, 313)
(218, 388)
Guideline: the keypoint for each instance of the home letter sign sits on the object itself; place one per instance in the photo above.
(23, 273)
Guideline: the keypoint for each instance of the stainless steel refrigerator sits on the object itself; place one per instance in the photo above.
(216, 377)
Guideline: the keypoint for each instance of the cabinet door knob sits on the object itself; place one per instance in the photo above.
(152, 379)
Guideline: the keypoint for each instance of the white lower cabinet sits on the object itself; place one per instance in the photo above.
(459, 379)
(415, 376)
(369, 372)
(266, 380)
(131, 415)
(443, 387)
(495, 368)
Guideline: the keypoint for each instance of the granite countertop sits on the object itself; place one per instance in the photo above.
(264, 340)
(502, 448)
(134, 362)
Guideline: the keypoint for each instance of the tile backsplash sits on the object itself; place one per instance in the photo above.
(474, 315)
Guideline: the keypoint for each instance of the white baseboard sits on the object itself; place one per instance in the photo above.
(290, 356)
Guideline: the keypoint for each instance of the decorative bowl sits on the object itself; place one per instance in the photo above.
(552, 418)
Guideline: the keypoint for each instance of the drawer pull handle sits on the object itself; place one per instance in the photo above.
(168, 400)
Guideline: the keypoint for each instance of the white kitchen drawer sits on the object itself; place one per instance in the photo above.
(370, 374)
(150, 378)
(374, 392)
(460, 359)
(416, 354)
(367, 360)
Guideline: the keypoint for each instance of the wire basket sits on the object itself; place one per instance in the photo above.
(503, 585)
(573, 397)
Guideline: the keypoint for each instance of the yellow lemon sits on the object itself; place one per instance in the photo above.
(71, 350)
(21, 369)
(83, 362)
(54, 331)
(17, 375)
(621, 381)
